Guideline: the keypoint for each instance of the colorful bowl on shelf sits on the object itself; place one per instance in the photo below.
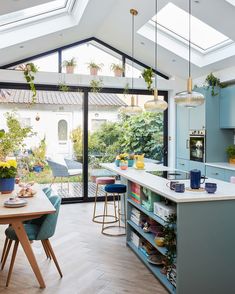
(159, 241)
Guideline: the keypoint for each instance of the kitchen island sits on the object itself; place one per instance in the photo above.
(205, 232)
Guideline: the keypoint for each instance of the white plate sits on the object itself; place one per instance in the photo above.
(15, 203)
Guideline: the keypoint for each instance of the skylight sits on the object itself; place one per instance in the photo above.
(231, 2)
(175, 22)
(34, 13)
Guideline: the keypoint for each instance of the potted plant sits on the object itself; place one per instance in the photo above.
(131, 159)
(96, 85)
(8, 171)
(230, 150)
(39, 156)
(70, 65)
(212, 81)
(94, 68)
(147, 74)
(117, 69)
(122, 158)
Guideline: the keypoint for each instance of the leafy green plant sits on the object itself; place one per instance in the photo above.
(63, 88)
(147, 74)
(13, 139)
(96, 85)
(70, 62)
(230, 150)
(115, 67)
(39, 153)
(29, 71)
(92, 64)
(8, 169)
(212, 81)
(169, 231)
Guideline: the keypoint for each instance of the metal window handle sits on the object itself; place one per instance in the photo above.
(187, 144)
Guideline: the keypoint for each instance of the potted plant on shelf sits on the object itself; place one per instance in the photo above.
(147, 74)
(8, 171)
(70, 65)
(231, 153)
(94, 68)
(213, 82)
(117, 69)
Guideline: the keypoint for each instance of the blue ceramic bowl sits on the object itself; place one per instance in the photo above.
(210, 187)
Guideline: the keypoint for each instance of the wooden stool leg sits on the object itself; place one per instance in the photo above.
(48, 245)
(6, 254)
(96, 194)
(12, 262)
(4, 248)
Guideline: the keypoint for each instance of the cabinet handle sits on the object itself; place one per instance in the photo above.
(187, 144)
(215, 174)
(182, 164)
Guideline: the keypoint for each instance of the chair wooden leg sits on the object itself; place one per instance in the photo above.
(12, 262)
(48, 245)
(6, 254)
(4, 248)
(46, 250)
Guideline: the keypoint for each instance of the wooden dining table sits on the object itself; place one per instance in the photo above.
(37, 206)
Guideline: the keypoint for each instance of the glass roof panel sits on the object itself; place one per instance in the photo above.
(173, 19)
(231, 2)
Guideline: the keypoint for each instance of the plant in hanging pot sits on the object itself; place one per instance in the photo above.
(94, 68)
(70, 65)
(230, 150)
(147, 74)
(8, 171)
(117, 69)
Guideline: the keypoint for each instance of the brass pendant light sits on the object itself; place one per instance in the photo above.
(189, 98)
(133, 109)
(156, 105)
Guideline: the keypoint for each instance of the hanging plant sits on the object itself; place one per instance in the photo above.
(63, 87)
(96, 85)
(212, 81)
(29, 71)
(147, 74)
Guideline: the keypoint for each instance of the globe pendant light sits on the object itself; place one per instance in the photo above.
(189, 98)
(156, 105)
(132, 109)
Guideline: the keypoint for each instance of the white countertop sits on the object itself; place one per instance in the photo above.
(225, 191)
(225, 165)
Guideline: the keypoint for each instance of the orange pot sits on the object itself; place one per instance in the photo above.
(232, 160)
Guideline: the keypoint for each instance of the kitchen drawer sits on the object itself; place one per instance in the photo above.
(228, 173)
(197, 165)
(182, 164)
(215, 172)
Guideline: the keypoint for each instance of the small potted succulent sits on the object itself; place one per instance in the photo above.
(70, 65)
(230, 150)
(131, 159)
(117, 69)
(94, 68)
(8, 171)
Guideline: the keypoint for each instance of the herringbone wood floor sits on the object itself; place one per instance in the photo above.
(91, 262)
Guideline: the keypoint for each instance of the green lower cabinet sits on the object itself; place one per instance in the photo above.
(215, 173)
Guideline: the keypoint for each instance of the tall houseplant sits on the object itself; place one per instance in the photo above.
(8, 171)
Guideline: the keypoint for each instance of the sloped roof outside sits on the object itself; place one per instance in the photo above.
(63, 98)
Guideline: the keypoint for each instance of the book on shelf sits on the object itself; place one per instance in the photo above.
(135, 188)
(135, 220)
(135, 239)
(135, 200)
(134, 195)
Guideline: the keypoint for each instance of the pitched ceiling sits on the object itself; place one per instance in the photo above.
(110, 21)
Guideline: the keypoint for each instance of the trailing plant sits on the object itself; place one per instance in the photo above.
(29, 71)
(230, 150)
(13, 139)
(70, 62)
(63, 88)
(8, 169)
(92, 64)
(115, 67)
(96, 85)
(212, 81)
(169, 231)
(147, 74)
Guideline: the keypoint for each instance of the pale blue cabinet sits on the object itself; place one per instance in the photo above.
(215, 173)
(197, 165)
(228, 174)
(197, 118)
(182, 134)
(182, 164)
(227, 108)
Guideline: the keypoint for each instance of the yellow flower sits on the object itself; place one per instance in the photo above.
(12, 163)
(5, 165)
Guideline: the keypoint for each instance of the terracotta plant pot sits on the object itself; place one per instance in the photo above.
(94, 71)
(118, 73)
(69, 69)
(232, 160)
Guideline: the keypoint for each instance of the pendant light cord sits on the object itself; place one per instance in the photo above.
(132, 50)
(189, 38)
(155, 47)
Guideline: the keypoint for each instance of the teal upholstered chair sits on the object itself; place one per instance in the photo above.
(47, 191)
(36, 231)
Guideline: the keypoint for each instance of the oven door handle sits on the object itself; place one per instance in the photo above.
(187, 143)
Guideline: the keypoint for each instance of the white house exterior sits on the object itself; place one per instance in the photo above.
(56, 114)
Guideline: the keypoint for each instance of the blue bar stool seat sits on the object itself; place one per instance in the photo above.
(116, 190)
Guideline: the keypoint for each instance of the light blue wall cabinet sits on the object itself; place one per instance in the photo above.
(197, 118)
(227, 108)
(197, 165)
(228, 174)
(182, 133)
(215, 173)
(182, 164)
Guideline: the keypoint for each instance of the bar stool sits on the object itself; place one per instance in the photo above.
(102, 181)
(115, 190)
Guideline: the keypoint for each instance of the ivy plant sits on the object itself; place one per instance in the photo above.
(213, 82)
(147, 74)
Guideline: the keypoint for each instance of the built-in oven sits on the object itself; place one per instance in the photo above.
(197, 141)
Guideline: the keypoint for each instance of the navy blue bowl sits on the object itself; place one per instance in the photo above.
(210, 187)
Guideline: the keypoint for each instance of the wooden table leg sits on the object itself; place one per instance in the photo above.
(24, 241)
